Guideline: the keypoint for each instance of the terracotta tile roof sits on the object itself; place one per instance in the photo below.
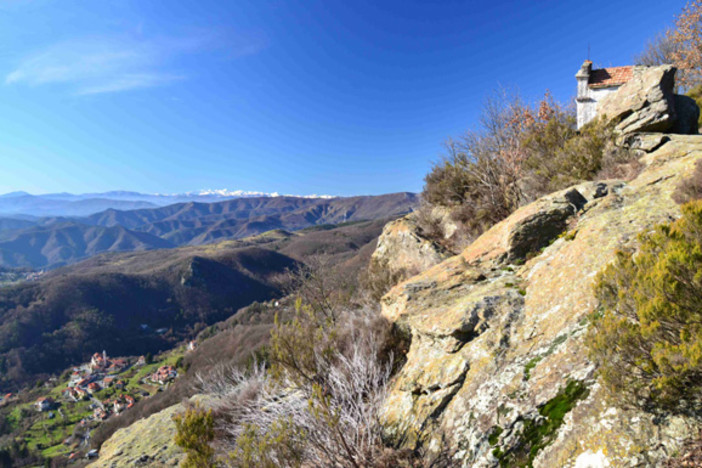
(613, 76)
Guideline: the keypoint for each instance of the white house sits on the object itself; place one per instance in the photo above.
(593, 85)
(44, 404)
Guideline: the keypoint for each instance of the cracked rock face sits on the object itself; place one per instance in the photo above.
(645, 103)
(401, 248)
(497, 370)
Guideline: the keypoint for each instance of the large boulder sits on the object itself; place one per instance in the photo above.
(645, 103)
(497, 372)
(402, 250)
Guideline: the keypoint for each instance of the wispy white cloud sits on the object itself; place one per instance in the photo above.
(130, 81)
(101, 65)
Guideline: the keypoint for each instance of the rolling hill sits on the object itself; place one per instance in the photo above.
(62, 243)
(69, 204)
(201, 223)
(137, 302)
(59, 241)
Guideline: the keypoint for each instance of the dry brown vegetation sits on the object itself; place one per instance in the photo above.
(690, 188)
(679, 45)
(520, 153)
(336, 255)
(330, 360)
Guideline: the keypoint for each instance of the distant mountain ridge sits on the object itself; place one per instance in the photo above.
(69, 204)
(62, 243)
(57, 241)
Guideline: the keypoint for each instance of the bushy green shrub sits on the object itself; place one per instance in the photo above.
(194, 434)
(647, 337)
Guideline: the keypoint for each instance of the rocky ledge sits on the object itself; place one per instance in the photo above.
(497, 373)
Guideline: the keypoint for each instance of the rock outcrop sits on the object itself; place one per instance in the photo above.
(643, 104)
(647, 103)
(403, 250)
(497, 373)
(147, 442)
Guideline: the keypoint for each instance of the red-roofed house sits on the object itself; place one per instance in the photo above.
(71, 394)
(593, 85)
(44, 403)
(164, 374)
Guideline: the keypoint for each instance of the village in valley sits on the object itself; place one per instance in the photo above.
(61, 413)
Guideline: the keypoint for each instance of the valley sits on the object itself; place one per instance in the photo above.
(119, 300)
(148, 303)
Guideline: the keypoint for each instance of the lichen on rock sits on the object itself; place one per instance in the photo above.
(148, 442)
(497, 332)
(403, 248)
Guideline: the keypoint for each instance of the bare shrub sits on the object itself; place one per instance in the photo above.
(379, 278)
(686, 39)
(520, 153)
(690, 456)
(619, 163)
(659, 51)
(482, 169)
(323, 412)
(316, 400)
(680, 45)
(430, 225)
(321, 285)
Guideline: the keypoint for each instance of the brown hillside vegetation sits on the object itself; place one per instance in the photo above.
(243, 336)
(103, 302)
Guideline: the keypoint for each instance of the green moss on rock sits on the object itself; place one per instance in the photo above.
(539, 432)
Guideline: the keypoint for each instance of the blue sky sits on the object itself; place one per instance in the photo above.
(335, 97)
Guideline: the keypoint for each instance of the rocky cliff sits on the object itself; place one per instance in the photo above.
(497, 373)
